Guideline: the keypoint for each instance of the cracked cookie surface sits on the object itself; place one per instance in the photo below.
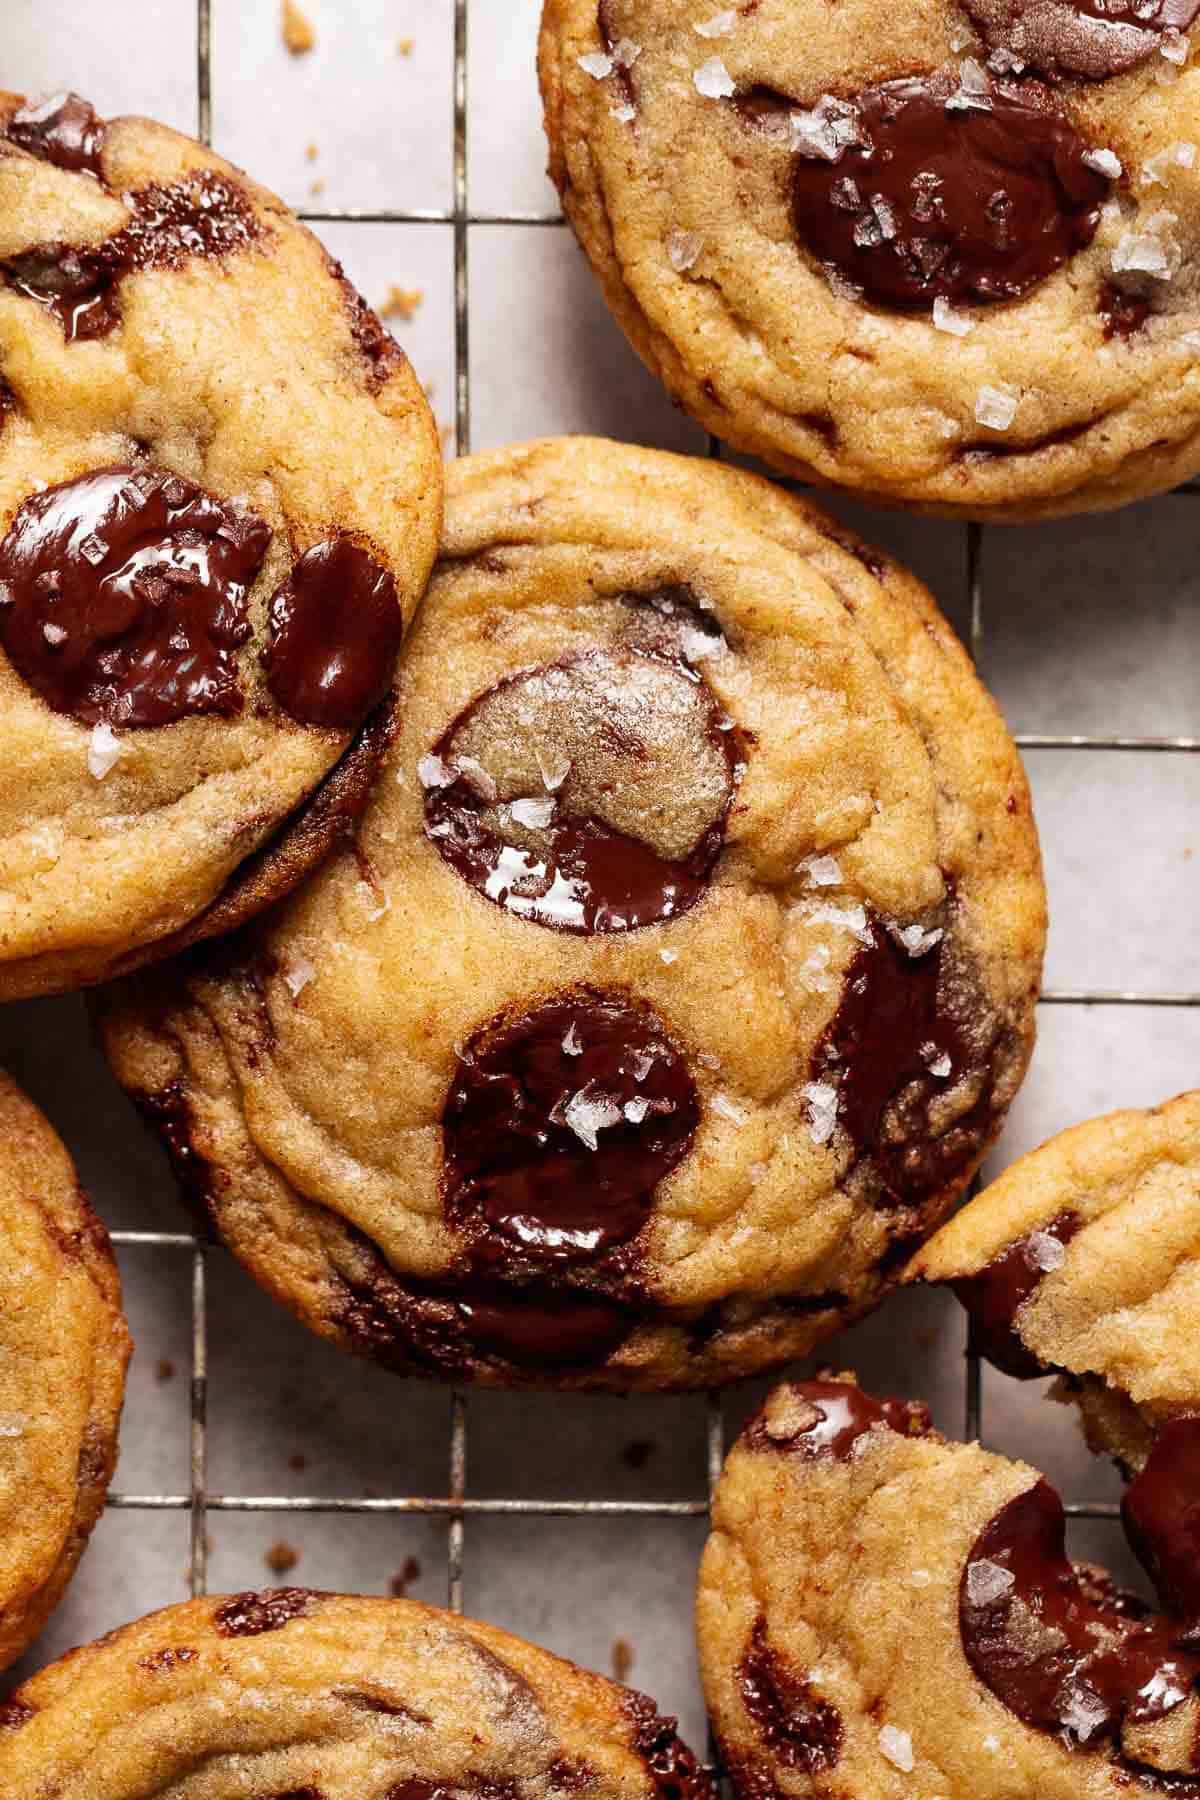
(942, 254)
(680, 972)
(64, 1345)
(296, 1695)
(199, 609)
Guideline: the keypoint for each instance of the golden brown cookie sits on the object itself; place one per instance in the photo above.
(884, 1613)
(939, 253)
(681, 970)
(1084, 1259)
(294, 1695)
(200, 606)
(64, 1345)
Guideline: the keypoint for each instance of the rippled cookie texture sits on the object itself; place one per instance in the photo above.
(63, 1350)
(885, 1612)
(1083, 1261)
(296, 1695)
(200, 607)
(679, 972)
(942, 254)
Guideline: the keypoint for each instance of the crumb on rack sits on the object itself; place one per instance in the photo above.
(637, 1454)
(316, 187)
(622, 1659)
(298, 33)
(281, 1557)
(446, 433)
(403, 1579)
(164, 1369)
(404, 46)
(401, 302)
(311, 153)
(298, 1461)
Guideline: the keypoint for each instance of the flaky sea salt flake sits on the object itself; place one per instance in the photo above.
(729, 1109)
(713, 80)
(12, 1425)
(987, 1582)
(625, 53)
(54, 634)
(822, 1100)
(996, 407)
(916, 940)
(719, 26)
(1105, 162)
(624, 114)
(1045, 1251)
(636, 1109)
(596, 64)
(946, 319)
(683, 248)
(669, 956)
(432, 772)
(297, 975)
(590, 1112)
(537, 814)
(821, 871)
(104, 751)
(897, 1747)
(1082, 1712)
(572, 1043)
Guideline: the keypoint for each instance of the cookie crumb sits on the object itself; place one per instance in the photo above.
(402, 1580)
(311, 153)
(622, 1659)
(402, 302)
(164, 1369)
(404, 46)
(316, 187)
(298, 33)
(281, 1557)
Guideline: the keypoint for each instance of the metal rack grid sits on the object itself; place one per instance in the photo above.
(456, 1506)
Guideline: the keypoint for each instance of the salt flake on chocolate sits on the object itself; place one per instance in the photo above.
(104, 751)
(1083, 1712)
(916, 940)
(713, 80)
(636, 1109)
(432, 772)
(897, 1747)
(590, 1112)
(1105, 162)
(720, 25)
(572, 1043)
(54, 634)
(996, 407)
(537, 814)
(987, 1582)
(830, 128)
(1045, 1251)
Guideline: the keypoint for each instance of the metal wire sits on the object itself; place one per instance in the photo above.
(456, 1506)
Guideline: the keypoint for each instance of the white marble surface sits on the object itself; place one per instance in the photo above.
(1090, 626)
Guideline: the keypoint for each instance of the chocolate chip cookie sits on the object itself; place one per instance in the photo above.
(63, 1350)
(681, 969)
(1083, 1259)
(294, 1695)
(885, 1612)
(943, 253)
(200, 605)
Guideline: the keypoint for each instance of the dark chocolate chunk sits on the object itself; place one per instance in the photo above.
(1161, 1515)
(1094, 38)
(123, 596)
(903, 1017)
(616, 723)
(1123, 313)
(560, 1124)
(798, 1728)
(171, 1656)
(336, 630)
(250, 1614)
(676, 1773)
(535, 1329)
(63, 129)
(995, 1295)
(833, 1416)
(14, 1714)
(915, 191)
(1059, 1650)
(204, 214)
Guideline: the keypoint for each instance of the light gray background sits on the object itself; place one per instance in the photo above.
(1090, 626)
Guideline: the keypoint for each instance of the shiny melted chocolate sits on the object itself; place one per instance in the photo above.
(336, 630)
(947, 195)
(824, 1418)
(1093, 38)
(123, 596)
(798, 1728)
(558, 1127)
(204, 214)
(611, 719)
(63, 129)
(1072, 1655)
(534, 1328)
(995, 1295)
(899, 1016)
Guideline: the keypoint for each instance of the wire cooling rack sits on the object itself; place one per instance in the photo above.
(455, 1505)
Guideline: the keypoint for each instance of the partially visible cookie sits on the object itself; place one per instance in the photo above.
(1083, 1259)
(939, 252)
(884, 1613)
(220, 492)
(295, 1695)
(64, 1345)
(681, 969)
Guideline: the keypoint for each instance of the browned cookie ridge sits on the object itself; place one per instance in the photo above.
(942, 254)
(312, 1696)
(679, 972)
(199, 613)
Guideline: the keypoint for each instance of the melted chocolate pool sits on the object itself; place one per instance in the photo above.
(937, 198)
(1094, 38)
(559, 1126)
(204, 214)
(63, 129)
(824, 1418)
(995, 1295)
(590, 794)
(336, 630)
(1068, 1653)
(123, 596)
